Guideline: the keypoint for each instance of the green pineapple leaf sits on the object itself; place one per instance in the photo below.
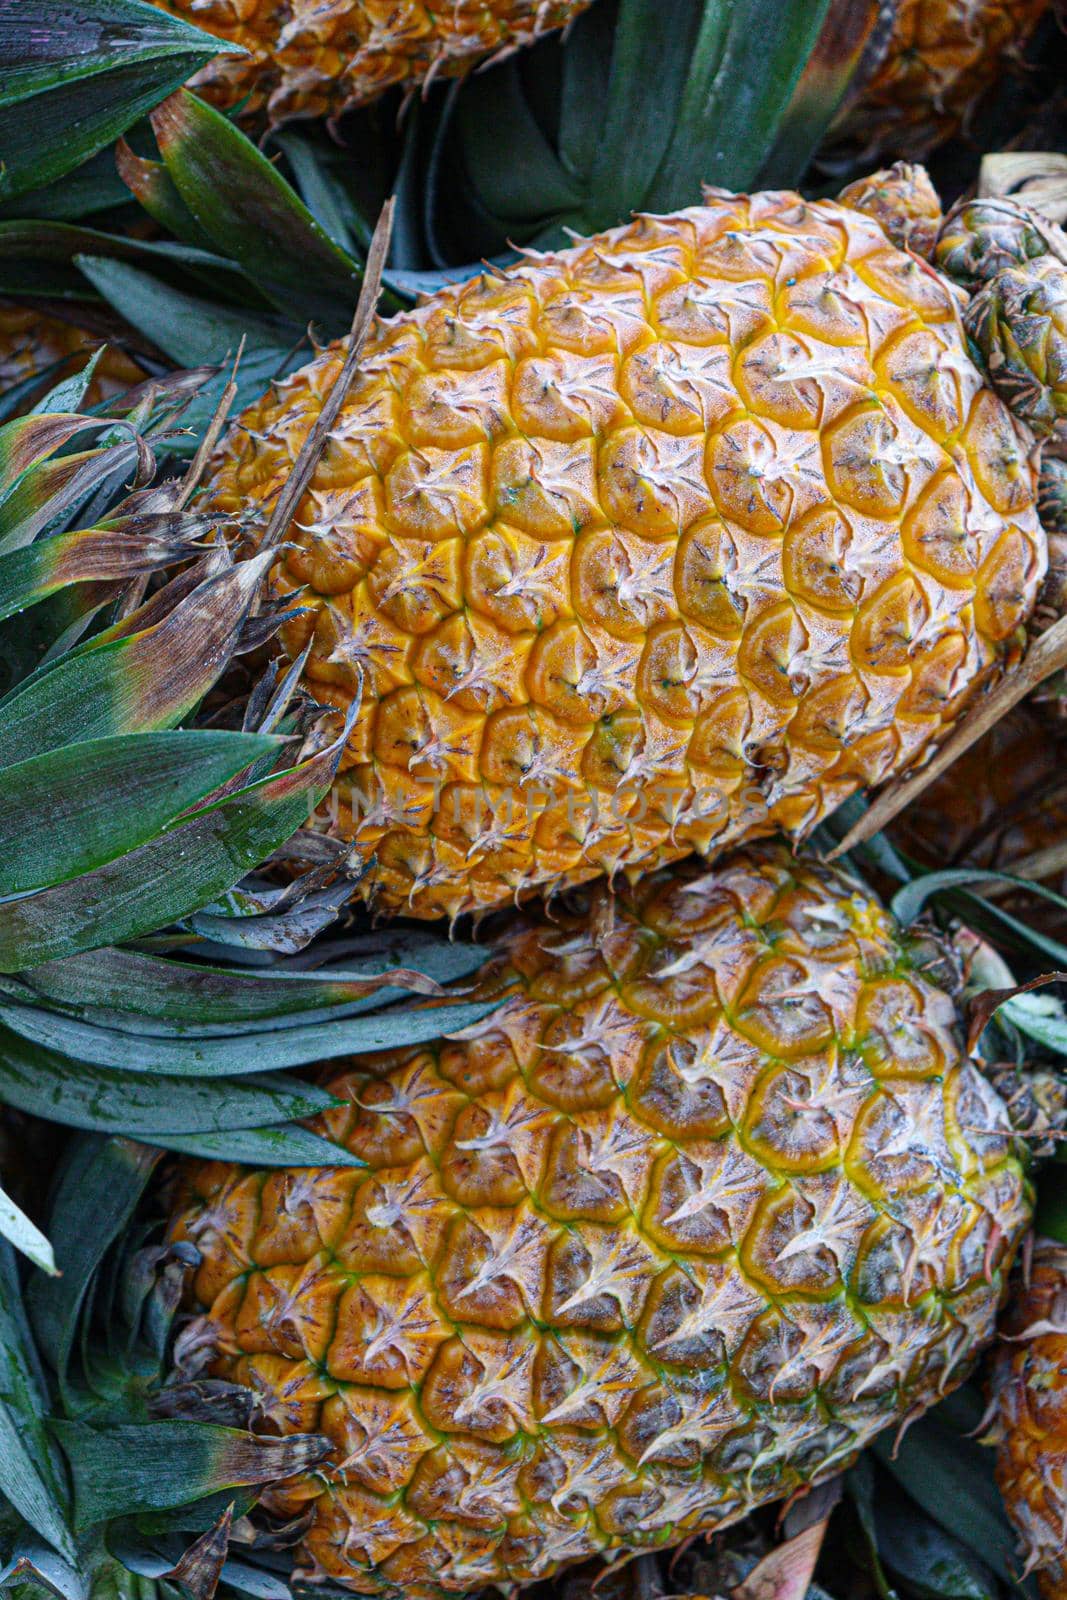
(240, 202)
(730, 78)
(287, 1147)
(568, 138)
(90, 189)
(157, 192)
(110, 1100)
(30, 1477)
(115, 551)
(192, 329)
(940, 1464)
(132, 679)
(39, 257)
(58, 817)
(18, 1230)
(122, 986)
(167, 877)
(55, 488)
(73, 81)
(126, 1469)
(206, 1057)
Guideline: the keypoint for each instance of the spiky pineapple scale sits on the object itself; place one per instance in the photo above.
(940, 59)
(903, 199)
(1030, 1416)
(310, 58)
(714, 1199)
(659, 543)
(32, 343)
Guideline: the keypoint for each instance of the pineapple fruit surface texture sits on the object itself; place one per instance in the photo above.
(1030, 1396)
(903, 199)
(942, 57)
(32, 343)
(714, 1199)
(313, 58)
(661, 543)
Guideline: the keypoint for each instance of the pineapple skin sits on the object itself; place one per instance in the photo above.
(31, 342)
(661, 543)
(314, 58)
(714, 1199)
(941, 59)
(903, 199)
(1019, 323)
(1030, 1415)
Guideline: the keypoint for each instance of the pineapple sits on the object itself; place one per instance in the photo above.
(934, 59)
(1019, 323)
(311, 58)
(904, 200)
(1030, 1408)
(1014, 261)
(715, 1198)
(32, 342)
(660, 543)
(940, 59)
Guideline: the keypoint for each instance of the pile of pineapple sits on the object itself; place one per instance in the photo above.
(504, 577)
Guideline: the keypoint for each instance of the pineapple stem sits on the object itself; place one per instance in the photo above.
(315, 443)
(212, 435)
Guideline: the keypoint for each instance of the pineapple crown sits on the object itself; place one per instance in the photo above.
(140, 950)
(155, 988)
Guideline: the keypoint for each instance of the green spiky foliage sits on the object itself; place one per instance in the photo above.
(122, 1478)
(126, 1479)
(112, 1485)
(151, 983)
(253, 243)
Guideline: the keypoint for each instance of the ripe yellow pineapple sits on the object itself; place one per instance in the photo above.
(311, 58)
(716, 1197)
(306, 58)
(660, 543)
(941, 58)
(32, 343)
(903, 199)
(1030, 1397)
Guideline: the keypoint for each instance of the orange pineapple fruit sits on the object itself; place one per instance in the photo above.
(313, 58)
(659, 543)
(1030, 1411)
(940, 59)
(903, 199)
(934, 59)
(716, 1197)
(32, 343)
